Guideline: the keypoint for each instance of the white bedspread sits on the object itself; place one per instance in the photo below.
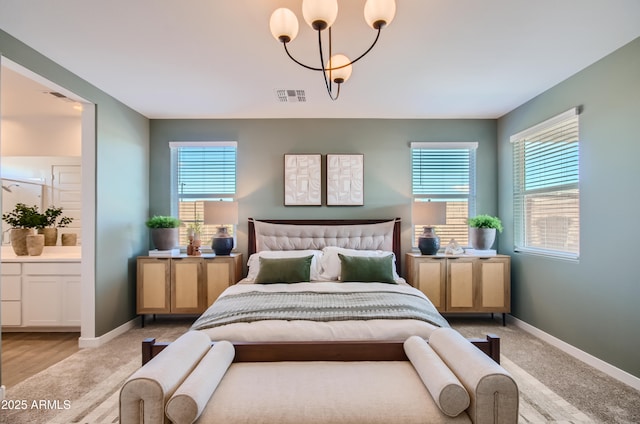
(301, 330)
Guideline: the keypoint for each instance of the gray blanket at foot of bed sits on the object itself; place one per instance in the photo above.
(312, 306)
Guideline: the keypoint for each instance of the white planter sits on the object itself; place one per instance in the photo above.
(482, 238)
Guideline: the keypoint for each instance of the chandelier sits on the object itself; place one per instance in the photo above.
(320, 15)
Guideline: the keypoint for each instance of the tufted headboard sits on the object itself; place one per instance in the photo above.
(299, 234)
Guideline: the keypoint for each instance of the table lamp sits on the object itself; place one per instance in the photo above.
(429, 214)
(221, 213)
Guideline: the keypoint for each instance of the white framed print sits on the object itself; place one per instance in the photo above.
(345, 180)
(302, 180)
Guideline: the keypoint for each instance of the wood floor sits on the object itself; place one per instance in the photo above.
(26, 354)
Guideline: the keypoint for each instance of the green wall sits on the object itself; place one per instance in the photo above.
(263, 143)
(591, 304)
(122, 181)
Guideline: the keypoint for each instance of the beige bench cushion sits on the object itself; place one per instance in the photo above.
(323, 392)
(143, 395)
(190, 399)
(492, 391)
(445, 388)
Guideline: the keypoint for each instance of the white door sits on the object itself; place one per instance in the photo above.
(66, 194)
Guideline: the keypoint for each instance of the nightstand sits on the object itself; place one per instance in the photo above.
(183, 284)
(462, 283)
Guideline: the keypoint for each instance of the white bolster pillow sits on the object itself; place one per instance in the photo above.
(143, 395)
(190, 399)
(493, 392)
(445, 388)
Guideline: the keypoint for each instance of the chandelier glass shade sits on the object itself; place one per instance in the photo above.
(320, 15)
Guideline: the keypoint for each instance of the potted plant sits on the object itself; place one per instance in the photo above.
(51, 220)
(22, 219)
(164, 231)
(482, 231)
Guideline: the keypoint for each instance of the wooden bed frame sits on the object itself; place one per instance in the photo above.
(332, 350)
(322, 351)
(397, 248)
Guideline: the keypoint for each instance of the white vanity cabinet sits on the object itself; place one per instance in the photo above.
(41, 295)
(11, 294)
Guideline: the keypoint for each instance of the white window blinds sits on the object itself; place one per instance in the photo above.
(202, 171)
(546, 196)
(445, 172)
(205, 170)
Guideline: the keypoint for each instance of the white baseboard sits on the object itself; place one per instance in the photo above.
(581, 355)
(88, 342)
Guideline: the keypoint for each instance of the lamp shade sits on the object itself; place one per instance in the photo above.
(220, 213)
(429, 213)
(320, 14)
(342, 74)
(379, 13)
(283, 25)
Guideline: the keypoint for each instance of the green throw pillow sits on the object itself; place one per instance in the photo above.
(284, 270)
(366, 269)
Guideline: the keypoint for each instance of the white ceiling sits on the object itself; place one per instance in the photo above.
(22, 97)
(217, 59)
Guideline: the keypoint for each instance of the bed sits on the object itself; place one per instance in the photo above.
(333, 301)
(319, 282)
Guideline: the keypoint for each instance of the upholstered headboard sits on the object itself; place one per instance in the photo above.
(361, 234)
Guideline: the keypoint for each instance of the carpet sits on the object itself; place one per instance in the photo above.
(84, 387)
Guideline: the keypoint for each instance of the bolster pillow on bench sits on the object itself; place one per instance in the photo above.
(446, 390)
(143, 395)
(493, 392)
(190, 399)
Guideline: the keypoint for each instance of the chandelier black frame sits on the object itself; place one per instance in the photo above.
(320, 15)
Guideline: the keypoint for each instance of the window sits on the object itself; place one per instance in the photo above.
(546, 193)
(202, 171)
(446, 172)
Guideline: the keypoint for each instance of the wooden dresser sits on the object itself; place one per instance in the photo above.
(464, 283)
(183, 284)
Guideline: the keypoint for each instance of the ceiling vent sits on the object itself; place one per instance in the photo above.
(59, 96)
(291, 96)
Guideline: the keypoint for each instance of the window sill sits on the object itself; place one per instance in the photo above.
(563, 256)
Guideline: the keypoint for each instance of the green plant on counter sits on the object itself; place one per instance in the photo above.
(51, 218)
(23, 216)
(485, 221)
(160, 221)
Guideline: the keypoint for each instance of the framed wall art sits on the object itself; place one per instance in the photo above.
(345, 180)
(302, 180)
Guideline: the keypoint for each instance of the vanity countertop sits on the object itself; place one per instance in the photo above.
(49, 254)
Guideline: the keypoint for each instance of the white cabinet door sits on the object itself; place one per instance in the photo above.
(11, 299)
(42, 300)
(71, 300)
(11, 313)
(52, 294)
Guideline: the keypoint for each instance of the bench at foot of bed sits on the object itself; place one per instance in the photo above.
(445, 380)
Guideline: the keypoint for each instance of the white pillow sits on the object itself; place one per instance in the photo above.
(254, 261)
(330, 261)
